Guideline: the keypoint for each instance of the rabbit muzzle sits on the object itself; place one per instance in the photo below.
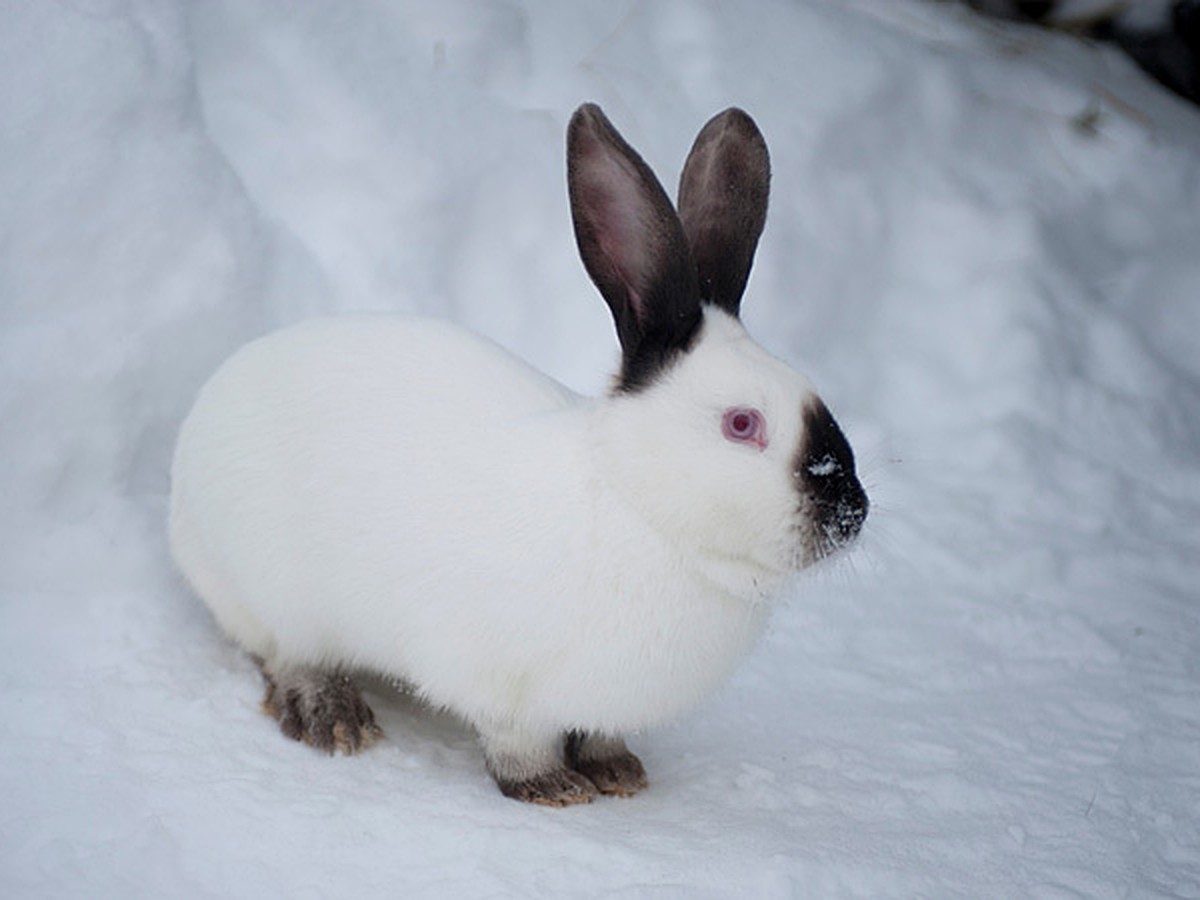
(833, 504)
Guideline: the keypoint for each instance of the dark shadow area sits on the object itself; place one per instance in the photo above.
(1168, 52)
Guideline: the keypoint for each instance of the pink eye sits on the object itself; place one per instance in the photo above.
(745, 426)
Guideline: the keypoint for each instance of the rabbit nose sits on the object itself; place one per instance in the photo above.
(839, 501)
(826, 474)
(842, 519)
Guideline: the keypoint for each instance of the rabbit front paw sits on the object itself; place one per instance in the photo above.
(607, 763)
(528, 765)
(557, 787)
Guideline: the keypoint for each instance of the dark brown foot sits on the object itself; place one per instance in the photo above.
(620, 776)
(607, 763)
(557, 787)
(323, 709)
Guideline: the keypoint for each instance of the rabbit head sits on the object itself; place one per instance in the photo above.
(716, 443)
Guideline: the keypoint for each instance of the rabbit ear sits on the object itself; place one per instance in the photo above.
(632, 245)
(723, 204)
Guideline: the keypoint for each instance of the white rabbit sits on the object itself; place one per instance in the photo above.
(396, 495)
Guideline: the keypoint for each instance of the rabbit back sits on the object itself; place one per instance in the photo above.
(317, 451)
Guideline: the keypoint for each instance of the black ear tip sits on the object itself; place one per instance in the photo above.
(735, 114)
(589, 127)
(738, 122)
(585, 111)
(588, 115)
(734, 130)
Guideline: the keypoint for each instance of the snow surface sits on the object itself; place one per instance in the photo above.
(982, 247)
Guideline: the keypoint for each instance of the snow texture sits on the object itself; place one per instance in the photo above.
(982, 247)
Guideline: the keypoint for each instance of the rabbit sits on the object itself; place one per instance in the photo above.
(379, 493)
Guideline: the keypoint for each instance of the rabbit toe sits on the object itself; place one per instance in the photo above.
(557, 787)
(620, 776)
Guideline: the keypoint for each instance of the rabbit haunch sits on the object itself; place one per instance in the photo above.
(397, 495)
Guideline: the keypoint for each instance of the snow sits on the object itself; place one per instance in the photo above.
(981, 247)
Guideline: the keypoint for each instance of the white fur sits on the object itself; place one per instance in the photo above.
(401, 495)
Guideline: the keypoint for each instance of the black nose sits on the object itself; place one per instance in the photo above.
(825, 469)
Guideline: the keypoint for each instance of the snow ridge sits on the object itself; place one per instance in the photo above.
(981, 246)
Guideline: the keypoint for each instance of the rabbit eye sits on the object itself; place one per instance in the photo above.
(745, 426)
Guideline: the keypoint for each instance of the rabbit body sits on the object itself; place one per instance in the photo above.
(464, 536)
(395, 494)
